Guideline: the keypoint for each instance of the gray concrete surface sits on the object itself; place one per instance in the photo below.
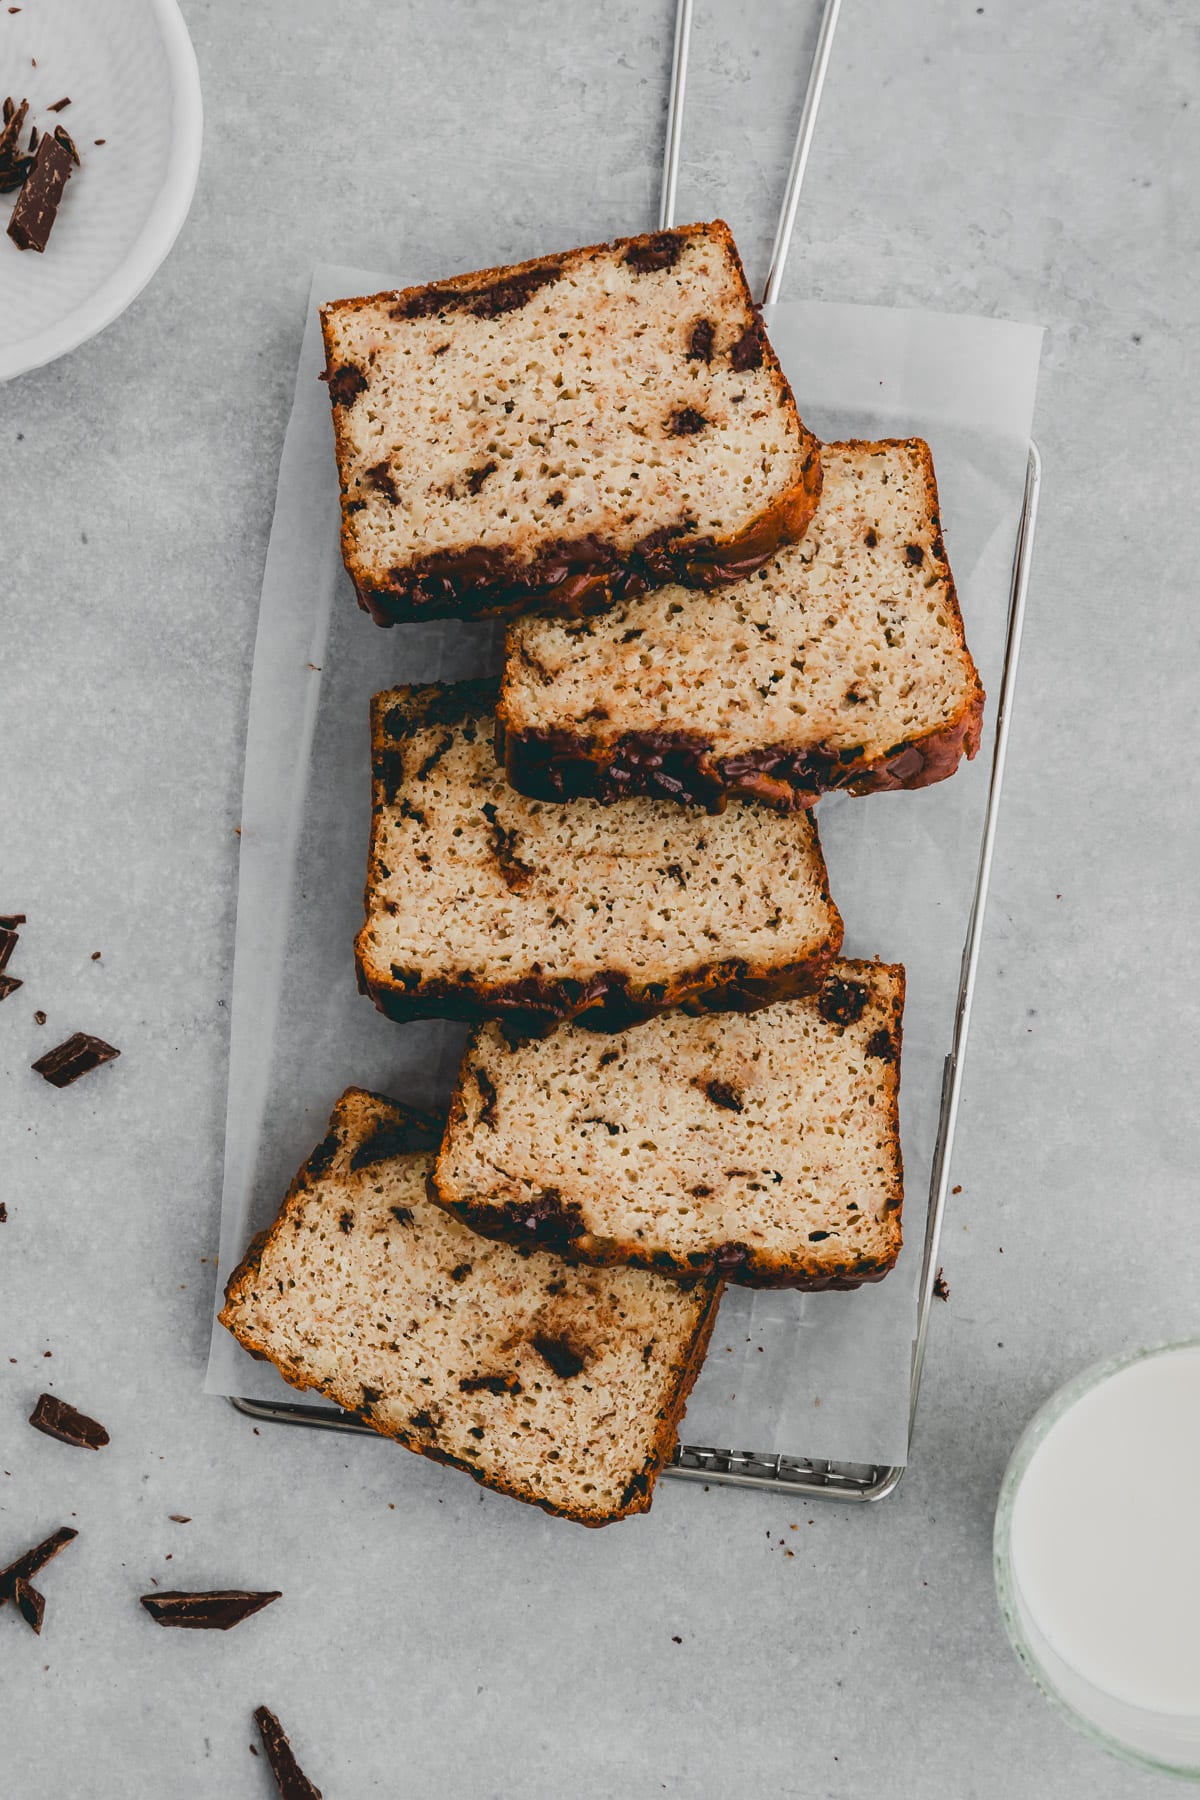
(1033, 158)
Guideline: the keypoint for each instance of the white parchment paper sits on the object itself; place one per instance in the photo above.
(809, 1375)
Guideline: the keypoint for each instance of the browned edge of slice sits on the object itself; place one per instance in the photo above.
(555, 1223)
(679, 765)
(425, 1131)
(534, 1005)
(576, 575)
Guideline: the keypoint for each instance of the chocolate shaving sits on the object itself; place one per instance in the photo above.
(60, 105)
(30, 1604)
(76, 1056)
(10, 921)
(14, 125)
(215, 1611)
(22, 1571)
(9, 985)
(37, 205)
(179, 1518)
(63, 137)
(8, 943)
(292, 1782)
(58, 1420)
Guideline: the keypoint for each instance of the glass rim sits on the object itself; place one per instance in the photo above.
(1047, 1415)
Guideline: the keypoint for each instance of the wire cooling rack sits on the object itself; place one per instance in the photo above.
(819, 1478)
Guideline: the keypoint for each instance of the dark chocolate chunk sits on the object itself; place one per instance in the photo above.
(8, 943)
(460, 1271)
(30, 1604)
(9, 985)
(416, 1132)
(345, 384)
(477, 477)
(77, 1056)
(489, 1384)
(403, 1215)
(58, 1420)
(881, 1045)
(215, 1611)
(292, 1782)
(559, 1355)
(37, 205)
(27, 1566)
(14, 125)
(747, 353)
(842, 1002)
(914, 554)
(39, 1018)
(723, 1093)
(686, 422)
(381, 478)
(662, 250)
(703, 333)
(60, 105)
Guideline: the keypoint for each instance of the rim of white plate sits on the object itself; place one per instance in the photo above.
(164, 222)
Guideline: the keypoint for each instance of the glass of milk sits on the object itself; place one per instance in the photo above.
(1097, 1553)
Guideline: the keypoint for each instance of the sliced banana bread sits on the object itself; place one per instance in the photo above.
(840, 664)
(563, 431)
(766, 1147)
(556, 1384)
(480, 901)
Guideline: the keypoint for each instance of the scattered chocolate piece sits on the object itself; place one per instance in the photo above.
(95, 956)
(559, 1355)
(58, 1420)
(216, 1611)
(9, 985)
(63, 136)
(39, 1017)
(10, 921)
(292, 1782)
(26, 1567)
(14, 124)
(8, 943)
(30, 1604)
(60, 105)
(941, 1286)
(3, 1213)
(99, 141)
(76, 1056)
(37, 204)
(179, 1518)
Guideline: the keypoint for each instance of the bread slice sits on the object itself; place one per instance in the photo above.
(563, 431)
(840, 664)
(481, 902)
(766, 1147)
(558, 1385)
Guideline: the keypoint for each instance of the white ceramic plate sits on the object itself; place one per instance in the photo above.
(130, 71)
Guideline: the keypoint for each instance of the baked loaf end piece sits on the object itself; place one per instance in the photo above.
(480, 902)
(764, 1146)
(561, 1386)
(840, 664)
(563, 431)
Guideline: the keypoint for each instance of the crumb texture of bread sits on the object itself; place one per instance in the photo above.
(841, 663)
(558, 1385)
(564, 429)
(765, 1146)
(482, 902)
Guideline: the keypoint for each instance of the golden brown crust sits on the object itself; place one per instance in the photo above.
(640, 1490)
(555, 1223)
(607, 1001)
(579, 575)
(570, 763)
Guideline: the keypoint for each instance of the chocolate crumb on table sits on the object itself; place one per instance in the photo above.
(218, 1610)
(60, 105)
(9, 985)
(58, 1420)
(10, 921)
(8, 943)
(941, 1286)
(39, 1017)
(75, 1056)
(3, 1213)
(37, 204)
(292, 1782)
